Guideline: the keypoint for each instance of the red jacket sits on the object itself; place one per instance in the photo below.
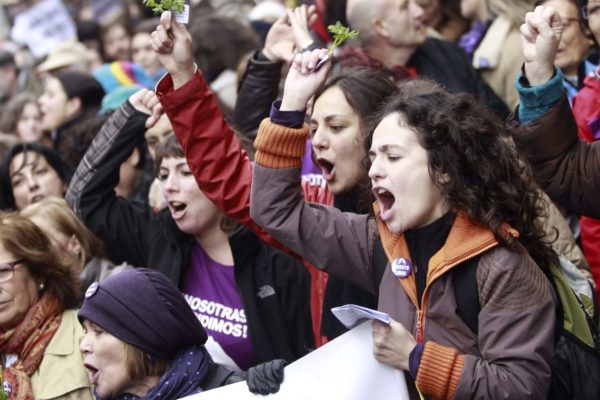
(586, 109)
(224, 171)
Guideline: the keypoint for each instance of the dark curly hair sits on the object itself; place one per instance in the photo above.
(488, 179)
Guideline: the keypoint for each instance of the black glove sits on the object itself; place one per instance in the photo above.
(266, 378)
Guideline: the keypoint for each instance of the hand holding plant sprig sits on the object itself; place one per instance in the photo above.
(340, 33)
(306, 76)
(173, 46)
(158, 6)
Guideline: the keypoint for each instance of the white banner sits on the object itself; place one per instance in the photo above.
(343, 369)
(43, 26)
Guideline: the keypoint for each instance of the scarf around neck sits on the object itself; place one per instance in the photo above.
(183, 378)
(28, 341)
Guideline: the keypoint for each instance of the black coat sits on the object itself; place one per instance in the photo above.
(258, 89)
(446, 63)
(279, 324)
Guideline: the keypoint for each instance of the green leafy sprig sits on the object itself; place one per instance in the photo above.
(165, 5)
(340, 34)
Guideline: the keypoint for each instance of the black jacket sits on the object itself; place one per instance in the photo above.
(258, 89)
(279, 322)
(446, 63)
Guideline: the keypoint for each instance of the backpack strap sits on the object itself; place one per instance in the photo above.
(572, 316)
(592, 325)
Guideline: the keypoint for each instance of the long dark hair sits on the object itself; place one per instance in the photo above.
(488, 179)
(366, 90)
(7, 200)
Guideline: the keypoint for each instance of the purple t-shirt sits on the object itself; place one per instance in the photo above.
(211, 292)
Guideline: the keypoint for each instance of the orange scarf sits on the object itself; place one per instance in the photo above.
(29, 340)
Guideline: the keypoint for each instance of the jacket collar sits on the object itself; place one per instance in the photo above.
(464, 239)
(62, 342)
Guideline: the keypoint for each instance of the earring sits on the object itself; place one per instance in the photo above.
(42, 286)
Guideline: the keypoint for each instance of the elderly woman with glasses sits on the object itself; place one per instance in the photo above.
(574, 47)
(39, 330)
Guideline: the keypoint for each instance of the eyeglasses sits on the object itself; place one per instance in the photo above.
(7, 270)
(590, 9)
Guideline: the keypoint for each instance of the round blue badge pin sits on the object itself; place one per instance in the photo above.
(91, 290)
(401, 267)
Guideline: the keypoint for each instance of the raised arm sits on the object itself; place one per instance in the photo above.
(215, 156)
(120, 223)
(567, 168)
(260, 84)
(337, 242)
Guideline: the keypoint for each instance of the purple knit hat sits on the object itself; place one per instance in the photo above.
(143, 308)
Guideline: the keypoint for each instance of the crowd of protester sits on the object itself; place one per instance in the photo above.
(182, 204)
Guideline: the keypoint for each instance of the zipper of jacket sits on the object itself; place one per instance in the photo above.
(420, 324)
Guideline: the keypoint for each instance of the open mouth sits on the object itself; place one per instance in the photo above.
(37, 198)
(386, 201)
(92, 373)
(327, 168)
(177, 206)
(177, 209)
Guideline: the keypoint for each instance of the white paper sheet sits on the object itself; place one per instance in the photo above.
(351, 315)
(343, 369)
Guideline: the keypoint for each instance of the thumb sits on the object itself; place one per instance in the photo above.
(553, 19)
(165, 19)
(179, 30)
(157, 112)
(281, 20)
(176, 26)
(545, 30)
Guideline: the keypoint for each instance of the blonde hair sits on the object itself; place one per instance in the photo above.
(66, 222)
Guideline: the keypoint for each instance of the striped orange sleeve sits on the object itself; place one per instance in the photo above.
(439, 371)
(278, 146)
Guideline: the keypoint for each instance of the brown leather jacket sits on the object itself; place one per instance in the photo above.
(567, 168)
